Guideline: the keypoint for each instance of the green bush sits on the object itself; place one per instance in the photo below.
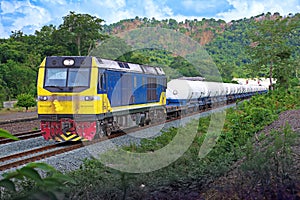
(25, 100)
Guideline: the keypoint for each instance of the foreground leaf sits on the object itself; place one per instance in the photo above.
(31, 173)
(6, 134)
(42, 166)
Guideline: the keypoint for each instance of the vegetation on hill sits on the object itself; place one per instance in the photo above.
(244, 48)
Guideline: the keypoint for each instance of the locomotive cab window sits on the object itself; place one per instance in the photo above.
(78, 77)
(55, 77)
(67, 79)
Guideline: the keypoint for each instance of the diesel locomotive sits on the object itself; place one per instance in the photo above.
(83, 97)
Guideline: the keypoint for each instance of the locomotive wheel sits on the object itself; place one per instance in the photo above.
(108, 131)
(100, 131)
(147, 122)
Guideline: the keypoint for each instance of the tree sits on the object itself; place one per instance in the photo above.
(26, 100)
(51, 41)
(83, 30)
(269, 47)
(18, 78)
(184, 67)
(113, 48)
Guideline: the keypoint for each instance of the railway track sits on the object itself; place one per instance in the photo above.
(33, 155)
(10, 121)
(22, 136)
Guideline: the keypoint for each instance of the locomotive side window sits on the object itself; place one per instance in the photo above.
(101, 81)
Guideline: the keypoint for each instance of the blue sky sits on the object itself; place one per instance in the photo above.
(31, 15)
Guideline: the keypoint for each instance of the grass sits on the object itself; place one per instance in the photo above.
(17, 109)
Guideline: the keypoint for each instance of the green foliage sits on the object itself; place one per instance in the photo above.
(50, 186)
(113, 48)
(26, 100)
(234, 143)
(269, 163)
(83, 30)
(270, 47)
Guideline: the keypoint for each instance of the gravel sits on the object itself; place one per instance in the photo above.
(23, 145)
(21, 126)
(290, 117)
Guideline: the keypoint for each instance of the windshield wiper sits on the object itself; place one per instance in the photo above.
(78, 86)
(53, 86)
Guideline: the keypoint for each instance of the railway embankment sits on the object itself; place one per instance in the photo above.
(256, 156)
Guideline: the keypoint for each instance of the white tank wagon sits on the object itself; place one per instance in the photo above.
(186, 89)
(197, 94)
(231, 91)
(191, 90)
(191, 95)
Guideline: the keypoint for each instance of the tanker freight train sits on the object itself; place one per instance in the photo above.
(82, 98)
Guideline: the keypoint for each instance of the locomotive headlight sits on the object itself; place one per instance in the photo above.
(88, 98)
(175, 92)
(69, 62)
(43, 98)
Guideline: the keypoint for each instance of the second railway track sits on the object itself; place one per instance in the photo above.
(32, 155)
(22, 136)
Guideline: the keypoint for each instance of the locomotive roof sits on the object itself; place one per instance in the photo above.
(86, 61)
(129, 67)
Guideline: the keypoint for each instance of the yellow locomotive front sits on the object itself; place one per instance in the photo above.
(67, 98)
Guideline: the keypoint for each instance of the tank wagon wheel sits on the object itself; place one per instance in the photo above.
(147, 121)
(142, 120)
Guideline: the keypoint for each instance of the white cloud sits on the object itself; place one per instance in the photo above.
(243, 8)
(59, 2)
(116, 4)
(201, 6)
(156, 10)
(24, 14)
(113, 12)
(2, 31)
(10, 7)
